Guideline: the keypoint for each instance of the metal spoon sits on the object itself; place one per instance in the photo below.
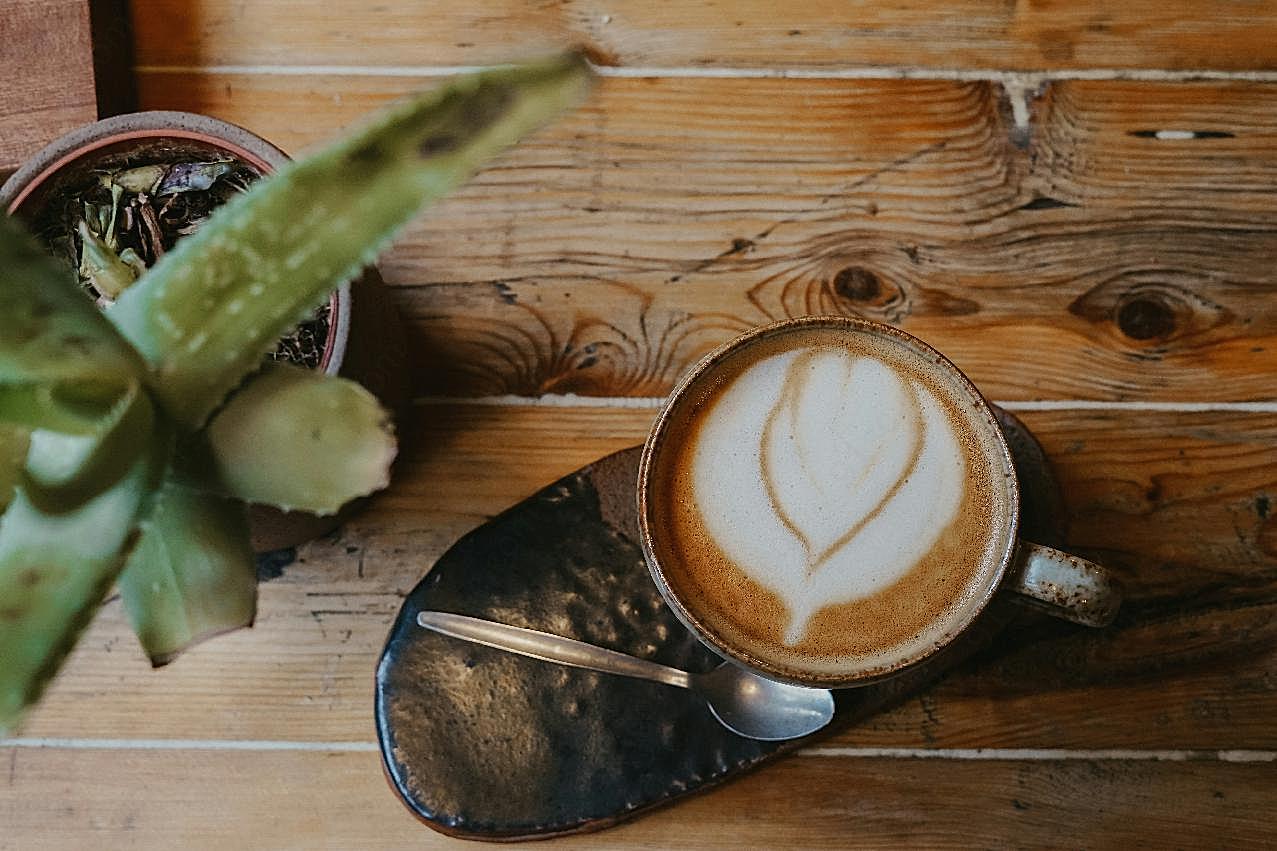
(744, 703)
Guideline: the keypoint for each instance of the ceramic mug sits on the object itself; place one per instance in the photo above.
(1059, 583)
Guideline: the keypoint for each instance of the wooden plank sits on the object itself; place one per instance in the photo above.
(608, 253)
(47, 68)
(1202, 682)
(1152, 684)
(59, 799)
(1181, 505)
(825, 34)
(163, 799)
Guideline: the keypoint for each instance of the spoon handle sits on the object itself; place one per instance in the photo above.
(550, 648)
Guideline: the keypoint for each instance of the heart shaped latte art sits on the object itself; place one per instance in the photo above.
(826, 476)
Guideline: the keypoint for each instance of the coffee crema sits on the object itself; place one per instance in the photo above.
(828, 501)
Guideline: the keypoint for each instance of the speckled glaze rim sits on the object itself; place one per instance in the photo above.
(121, 130)
(708, 637)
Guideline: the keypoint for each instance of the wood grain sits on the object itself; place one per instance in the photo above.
(606, 254)
(47, 66)
(205, 799)
(1061, 247)
(825, 34)
(1180, 505)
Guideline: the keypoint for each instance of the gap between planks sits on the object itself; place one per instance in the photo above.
(1028, 79)
(1017, 754)
(571, 400)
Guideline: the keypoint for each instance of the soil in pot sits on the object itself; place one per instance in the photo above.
(116, 215)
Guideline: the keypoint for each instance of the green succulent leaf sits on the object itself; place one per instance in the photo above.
(301, 440)
(62, 364)
(64, 470)
(209, 309)
(192, 574)
(55, 568)
(70, 408)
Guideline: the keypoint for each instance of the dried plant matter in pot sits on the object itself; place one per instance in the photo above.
(102, 416)
(113, 218)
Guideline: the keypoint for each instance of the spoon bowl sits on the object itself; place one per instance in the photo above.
(763, 709)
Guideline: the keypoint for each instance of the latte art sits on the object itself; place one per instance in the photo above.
(827, 457)
(826, 498)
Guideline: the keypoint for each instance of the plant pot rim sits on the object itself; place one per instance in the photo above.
(169, 124)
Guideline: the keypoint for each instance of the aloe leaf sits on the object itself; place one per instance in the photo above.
(192, 574)
(66, 375)
(63, 367)
(53, 336)
(63, 470)
(299, 439)
(208, 310)
(71, 408)
(54, 570)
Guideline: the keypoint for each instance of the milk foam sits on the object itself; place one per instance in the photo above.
(826, 476)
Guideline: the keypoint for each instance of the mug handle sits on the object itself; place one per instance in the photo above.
(1064, 585)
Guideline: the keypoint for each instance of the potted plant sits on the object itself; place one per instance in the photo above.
(111, 198)
(130, 437)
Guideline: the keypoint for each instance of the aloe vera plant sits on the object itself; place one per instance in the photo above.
(130, 438)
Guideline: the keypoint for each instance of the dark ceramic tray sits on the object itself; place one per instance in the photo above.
(484, 744)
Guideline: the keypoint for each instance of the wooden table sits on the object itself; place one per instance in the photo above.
(1075, 200)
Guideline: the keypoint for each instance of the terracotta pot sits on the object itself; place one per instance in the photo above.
(365, 341)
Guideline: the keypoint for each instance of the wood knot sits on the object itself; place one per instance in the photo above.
(856, 288)
(857, 283)
(1153, 311)
(1145, 318)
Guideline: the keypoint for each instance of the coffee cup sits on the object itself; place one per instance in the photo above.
(828, 501)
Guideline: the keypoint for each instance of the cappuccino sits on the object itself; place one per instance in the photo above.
(828, 500)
